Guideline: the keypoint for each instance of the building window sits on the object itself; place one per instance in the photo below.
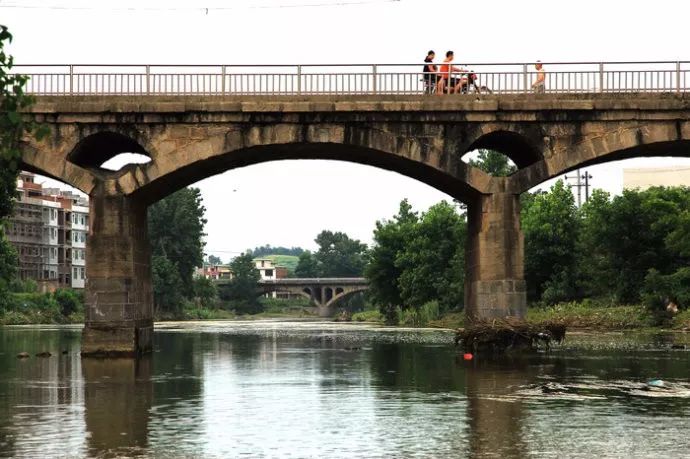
(76, 273)
(82, 273)
(269, 273)
(81, 254)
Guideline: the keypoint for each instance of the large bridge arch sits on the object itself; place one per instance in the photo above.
(175, 166)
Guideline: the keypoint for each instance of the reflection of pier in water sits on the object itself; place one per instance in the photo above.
(117, 395)
(495, 423)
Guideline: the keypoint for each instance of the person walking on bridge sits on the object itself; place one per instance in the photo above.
(539, 86)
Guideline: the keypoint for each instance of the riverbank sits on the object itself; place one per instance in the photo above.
(587, 315)
(575, 315)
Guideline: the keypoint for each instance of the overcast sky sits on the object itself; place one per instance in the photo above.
(288, 203)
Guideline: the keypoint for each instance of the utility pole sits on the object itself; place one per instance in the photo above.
(581, 181)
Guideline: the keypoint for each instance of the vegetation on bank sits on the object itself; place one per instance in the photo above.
(22, 304)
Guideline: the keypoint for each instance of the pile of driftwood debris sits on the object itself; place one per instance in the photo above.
(505, 335)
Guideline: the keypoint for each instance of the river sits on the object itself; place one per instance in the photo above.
(318, 389)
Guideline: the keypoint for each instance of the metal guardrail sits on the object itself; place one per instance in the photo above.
(350, 79)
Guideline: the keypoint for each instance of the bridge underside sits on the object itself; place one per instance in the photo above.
(190, 138)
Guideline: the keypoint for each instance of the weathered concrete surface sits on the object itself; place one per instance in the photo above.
(119, 316)
(494, 259)
(191, 138)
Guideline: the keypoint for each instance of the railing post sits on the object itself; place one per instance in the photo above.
(148, 79)
(71, 78)
(524, 77)
(222, 81)
(374, 73)
(601, 77)
(678, 76)
(299, 79)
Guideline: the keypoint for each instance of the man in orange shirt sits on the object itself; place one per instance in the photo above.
(447, 83)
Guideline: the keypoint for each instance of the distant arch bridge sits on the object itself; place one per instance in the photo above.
(324, 292)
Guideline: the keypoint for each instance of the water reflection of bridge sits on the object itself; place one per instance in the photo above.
(323, 292)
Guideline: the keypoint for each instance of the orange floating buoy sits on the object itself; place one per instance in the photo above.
(467, 356)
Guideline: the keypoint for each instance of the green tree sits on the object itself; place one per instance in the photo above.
(595, 273)
(640, 230)
(307, 266)
(214, 260)
(241, 292)
(176, 228)
(494, 163)
(340, 256)
(205, 291)
(13, 126)
(431, 264)
(391, 237)
(550, 224)
(168, 288)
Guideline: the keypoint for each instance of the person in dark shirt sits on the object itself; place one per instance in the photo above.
(430, 73)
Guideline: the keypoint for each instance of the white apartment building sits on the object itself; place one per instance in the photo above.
(48, 229)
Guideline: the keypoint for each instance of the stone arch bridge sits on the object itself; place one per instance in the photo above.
(324, 292)
(188, 138)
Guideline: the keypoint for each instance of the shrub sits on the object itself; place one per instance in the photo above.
(23, 286)
(368, 316)
(391, 314)
(70, 301)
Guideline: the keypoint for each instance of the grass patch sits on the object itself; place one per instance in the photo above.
(682, 320)
(368, 316)
(452, 319)
(592, 314)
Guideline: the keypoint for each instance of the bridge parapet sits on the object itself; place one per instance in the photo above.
(299, 79)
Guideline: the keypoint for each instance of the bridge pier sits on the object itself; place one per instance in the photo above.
(494, 260)
(119, 295)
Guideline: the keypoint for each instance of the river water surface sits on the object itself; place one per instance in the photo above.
(307, 389)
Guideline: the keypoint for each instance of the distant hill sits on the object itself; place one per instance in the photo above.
(289, 261)
(263, 251)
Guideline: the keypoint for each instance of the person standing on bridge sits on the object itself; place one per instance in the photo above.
(447, 82)
(539, 86)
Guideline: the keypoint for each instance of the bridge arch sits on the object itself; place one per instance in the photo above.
(343, 295)
(92, 151)
(36, 160)
(516, 146)
(176, 165)
(648, 140)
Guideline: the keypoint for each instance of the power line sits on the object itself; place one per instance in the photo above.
(192, 8)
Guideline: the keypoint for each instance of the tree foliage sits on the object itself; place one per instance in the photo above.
(432, 264)
(391, 238)
(176, 231)
(307, 266)
(339, 256)
(267, 249)
(214, 260)
(242, 290)
(494, 163)
(416, 260)
(13, 126)
(629, 248)
(550, 224)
